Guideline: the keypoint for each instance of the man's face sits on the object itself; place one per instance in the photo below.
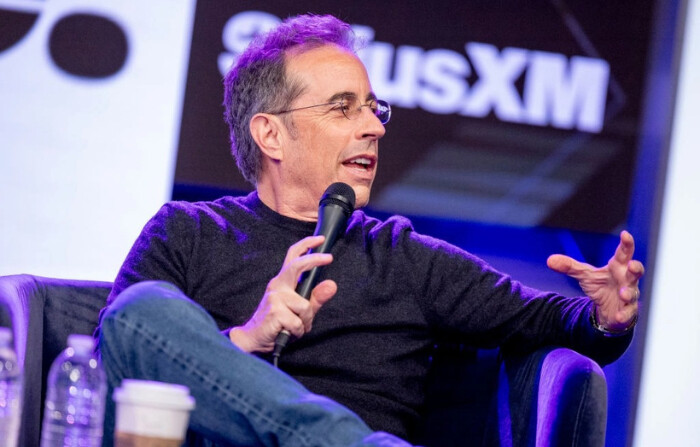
(324, 146)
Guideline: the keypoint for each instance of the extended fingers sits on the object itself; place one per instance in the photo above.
(625, 249)
(567, 265)
(559, 263)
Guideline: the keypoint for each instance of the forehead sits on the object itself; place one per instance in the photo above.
(327, 70)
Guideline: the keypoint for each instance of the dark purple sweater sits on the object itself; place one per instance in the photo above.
(398, 291)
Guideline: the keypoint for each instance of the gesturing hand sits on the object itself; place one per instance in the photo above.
(281, 307)
(613, 288)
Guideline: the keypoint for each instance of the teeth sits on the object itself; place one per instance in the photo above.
(362, 161)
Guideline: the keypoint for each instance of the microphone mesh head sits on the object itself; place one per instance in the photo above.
(342, 194)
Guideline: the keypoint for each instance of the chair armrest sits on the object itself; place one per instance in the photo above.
(42, 313)
(552, 397)
(16, 292)
(22, 296)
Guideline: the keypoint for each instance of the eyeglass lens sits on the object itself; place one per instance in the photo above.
(381, 109)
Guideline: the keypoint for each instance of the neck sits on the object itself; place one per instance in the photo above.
(286, 203)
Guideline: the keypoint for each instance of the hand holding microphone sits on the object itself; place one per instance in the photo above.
(335, 207)
(281, 307)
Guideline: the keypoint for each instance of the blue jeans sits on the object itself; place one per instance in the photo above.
(152, 331)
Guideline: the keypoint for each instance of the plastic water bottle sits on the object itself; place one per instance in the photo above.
(10, 390)
(75, 397)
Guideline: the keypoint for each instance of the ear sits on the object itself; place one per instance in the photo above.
(266, 130)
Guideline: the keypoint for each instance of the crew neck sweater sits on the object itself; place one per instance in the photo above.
(399, 292)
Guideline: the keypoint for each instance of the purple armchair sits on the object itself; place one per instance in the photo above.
(551, 397)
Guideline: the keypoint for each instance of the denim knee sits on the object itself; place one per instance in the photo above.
(153, 303)
(144, 295)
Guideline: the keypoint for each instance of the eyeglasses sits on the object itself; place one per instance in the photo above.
(351, 108)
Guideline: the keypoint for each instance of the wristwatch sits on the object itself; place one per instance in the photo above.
(607, 332)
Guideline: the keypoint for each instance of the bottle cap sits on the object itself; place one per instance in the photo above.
(81, 343)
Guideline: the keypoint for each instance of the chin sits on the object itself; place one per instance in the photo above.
(361, 196)
(362, 190)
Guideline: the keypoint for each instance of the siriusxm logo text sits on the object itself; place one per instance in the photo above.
(557, 91)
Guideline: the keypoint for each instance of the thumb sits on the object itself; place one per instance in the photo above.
(322, 293)
(561, 263)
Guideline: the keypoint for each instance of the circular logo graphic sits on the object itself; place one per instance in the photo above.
(88, 46)
(80, 44)
(15, 23)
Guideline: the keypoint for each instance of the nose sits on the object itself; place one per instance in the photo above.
(369, 125)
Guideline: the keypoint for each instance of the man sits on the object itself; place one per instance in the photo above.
(302, 116)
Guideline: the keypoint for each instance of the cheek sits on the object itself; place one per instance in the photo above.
(315, 164)
(326, 151)
(320, 148)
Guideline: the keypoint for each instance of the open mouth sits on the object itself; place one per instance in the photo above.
(361, 162)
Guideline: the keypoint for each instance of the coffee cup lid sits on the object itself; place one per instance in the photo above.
(154, 394)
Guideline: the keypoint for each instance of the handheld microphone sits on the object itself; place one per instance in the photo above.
(336, 205)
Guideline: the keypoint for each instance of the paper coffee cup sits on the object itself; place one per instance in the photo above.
(151, 414)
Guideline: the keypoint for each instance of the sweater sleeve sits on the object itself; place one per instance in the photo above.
(465, 298)
(161, 251)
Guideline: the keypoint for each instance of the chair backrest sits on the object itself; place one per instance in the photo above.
(42, 313)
